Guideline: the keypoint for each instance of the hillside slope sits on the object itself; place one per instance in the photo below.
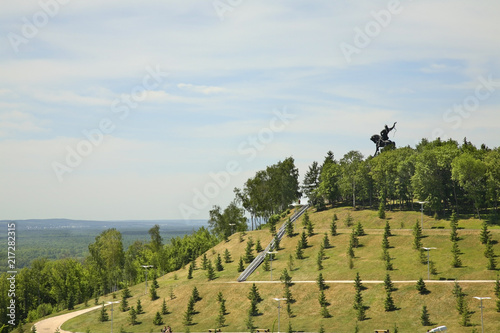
(305, 308)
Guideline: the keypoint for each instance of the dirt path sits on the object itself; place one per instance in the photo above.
(50, 325)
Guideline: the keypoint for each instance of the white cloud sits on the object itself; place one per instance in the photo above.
(15, 122)
(225, 78)
(207, 90)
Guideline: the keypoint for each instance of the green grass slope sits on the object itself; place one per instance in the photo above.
(306, 309)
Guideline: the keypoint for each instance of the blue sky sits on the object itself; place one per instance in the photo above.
(185, 100)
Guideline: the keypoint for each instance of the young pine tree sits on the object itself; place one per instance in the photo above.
(138, 307)
(289, 228)
(326, 241)
(354, 240)
(285, 278)
(187, 318)
(492, 264)
(389, 303)
(425, 317)
(253, 311)
(103, 314)
(388, 285)
(485, 234)
(126, 293)
(190, 271)
(220, 321)
(152, 293)
(222, 303)
(195, 294)
(488, 251)
(324, 312)
(164, 308)
(210, 271)
(132, 316)
(291, 262)
(299, 251)
(349, 221)
(258, 246)
(350, 250)
(455, 262)
(322, 299)
(454, 226)
(417, 236)
(124, 305)
(387, 260)
(381, 210)
(385, 242)
(254, 294)
(359, 230)
(310, 228)
(171, 293)
(457, 290)
(358, 300)
(319, 261)
(305, 219)
(496, 289)
(422, 289)
(333, 226)
(227, 256)
(241, 267)
(158, 320)
(204, 261)
(361, 313)
(266, 265)
(321, 282)
(218, 263)
(276, 242)
(249, 253)
(303, 240)
(357, 282)
(289, 309)
(387, 229)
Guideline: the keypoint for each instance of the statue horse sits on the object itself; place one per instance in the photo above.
(377, 139)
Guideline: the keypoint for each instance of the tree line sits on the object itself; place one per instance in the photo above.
(268, 193)
(446, 174)
(48, 286)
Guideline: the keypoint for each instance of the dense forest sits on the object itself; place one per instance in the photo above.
(448, 175)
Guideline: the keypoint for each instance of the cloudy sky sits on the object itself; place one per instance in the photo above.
(123, 109)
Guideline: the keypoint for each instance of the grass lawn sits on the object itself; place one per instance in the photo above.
(306, 310)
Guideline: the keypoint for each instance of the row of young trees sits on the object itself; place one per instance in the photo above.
(446, 174)
(48, 286)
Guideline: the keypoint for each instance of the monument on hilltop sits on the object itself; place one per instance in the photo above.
(383, 140)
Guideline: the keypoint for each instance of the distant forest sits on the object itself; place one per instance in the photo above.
(450, 176)
(62, 238)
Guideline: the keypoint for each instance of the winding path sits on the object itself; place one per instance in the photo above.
(50, 325)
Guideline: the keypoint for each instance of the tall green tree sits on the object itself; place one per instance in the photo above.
(107, 259)
(311, 183)
(220, 222)
(349, 165)
(470, 173)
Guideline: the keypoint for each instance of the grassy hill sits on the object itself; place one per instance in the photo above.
(340, 295)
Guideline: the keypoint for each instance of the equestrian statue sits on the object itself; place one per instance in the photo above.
(382, 140)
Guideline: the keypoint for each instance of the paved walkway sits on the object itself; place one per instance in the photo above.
(373, 281)
(50, 325)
